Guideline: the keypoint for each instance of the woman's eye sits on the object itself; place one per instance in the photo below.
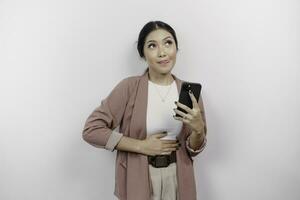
(151, 45)
(169, 42)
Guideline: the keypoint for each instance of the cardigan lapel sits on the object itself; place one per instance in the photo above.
(139, 113)
(138, 182)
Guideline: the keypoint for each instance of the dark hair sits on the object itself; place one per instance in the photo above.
(149, 27)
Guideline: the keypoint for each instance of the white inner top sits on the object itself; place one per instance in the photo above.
(160, 113)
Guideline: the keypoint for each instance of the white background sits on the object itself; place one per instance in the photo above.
(60, 58)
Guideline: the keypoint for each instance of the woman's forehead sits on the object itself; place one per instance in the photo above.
(158, 35)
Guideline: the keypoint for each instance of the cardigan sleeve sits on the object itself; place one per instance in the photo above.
(98, 129)
(191, 151)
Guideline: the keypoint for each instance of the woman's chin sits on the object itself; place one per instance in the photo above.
(162, 69)
(165, 69)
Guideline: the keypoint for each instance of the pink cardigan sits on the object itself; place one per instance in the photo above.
(126, 106)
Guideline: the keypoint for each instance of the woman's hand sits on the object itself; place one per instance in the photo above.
(153, 145)
(193, 117)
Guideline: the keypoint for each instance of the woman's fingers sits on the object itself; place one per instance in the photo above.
(171, 146)
(174, 145)
(168, 141)
(184, 107)
(182, 114)
(168, 146)
(165, 153)
(184, 120)
(169, 151)
(162, 146)
(194, 100)
(160, 135)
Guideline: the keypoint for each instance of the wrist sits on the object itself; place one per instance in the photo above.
(139, 146)
(198, 131)
(197, 136)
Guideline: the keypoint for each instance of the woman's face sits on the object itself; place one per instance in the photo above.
(160, 51)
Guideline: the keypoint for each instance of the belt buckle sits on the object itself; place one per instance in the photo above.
(162, 161)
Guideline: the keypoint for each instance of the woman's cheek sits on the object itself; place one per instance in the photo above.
(172, 52)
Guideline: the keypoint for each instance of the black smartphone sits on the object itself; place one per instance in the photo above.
(184, 96)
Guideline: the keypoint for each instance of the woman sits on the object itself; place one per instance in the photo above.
(154, 147)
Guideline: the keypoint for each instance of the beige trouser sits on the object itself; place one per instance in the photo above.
(164, 182)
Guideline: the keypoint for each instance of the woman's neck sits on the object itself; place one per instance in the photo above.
(161, 79)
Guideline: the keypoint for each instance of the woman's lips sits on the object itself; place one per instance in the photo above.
(164, 62)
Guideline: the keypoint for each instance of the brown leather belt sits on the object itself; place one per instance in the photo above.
(162, 160)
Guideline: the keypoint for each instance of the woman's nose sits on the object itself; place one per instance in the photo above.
(161, 52)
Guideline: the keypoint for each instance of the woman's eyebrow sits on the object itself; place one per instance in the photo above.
(167, 37)
(163, 39)
(151, 41)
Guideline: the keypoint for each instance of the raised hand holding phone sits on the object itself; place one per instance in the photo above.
(188, 110)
